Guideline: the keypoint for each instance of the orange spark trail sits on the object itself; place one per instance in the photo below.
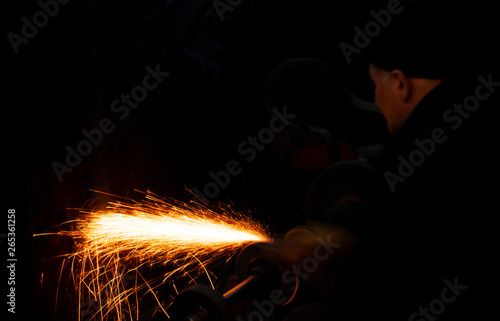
(181, 238)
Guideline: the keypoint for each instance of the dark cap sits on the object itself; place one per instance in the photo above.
(436, 40)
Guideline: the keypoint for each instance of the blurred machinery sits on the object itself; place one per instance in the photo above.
(328, 113)
(310, 271)
(314, 264)
(273, 279)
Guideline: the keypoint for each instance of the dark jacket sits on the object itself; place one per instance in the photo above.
(430, 221)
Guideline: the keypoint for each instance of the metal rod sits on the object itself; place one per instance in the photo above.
(241, 291)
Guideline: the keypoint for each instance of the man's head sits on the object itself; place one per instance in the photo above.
(406, 63)
(427, 42)
(397, 95)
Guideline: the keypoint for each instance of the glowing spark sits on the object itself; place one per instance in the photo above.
(180, 238)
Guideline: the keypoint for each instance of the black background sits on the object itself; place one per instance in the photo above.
(64, 81)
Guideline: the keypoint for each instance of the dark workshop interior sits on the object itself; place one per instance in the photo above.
(268, 105)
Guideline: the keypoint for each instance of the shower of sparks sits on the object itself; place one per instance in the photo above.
(114, 245)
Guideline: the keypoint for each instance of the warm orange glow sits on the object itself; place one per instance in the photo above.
(181, 238)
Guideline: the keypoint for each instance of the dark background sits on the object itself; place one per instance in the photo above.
(64, 80)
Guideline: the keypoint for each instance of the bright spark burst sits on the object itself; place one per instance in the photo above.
(181, 238)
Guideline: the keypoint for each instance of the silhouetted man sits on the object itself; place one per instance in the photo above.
(428, 240)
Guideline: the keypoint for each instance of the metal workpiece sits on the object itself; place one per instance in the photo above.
(275, 274)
